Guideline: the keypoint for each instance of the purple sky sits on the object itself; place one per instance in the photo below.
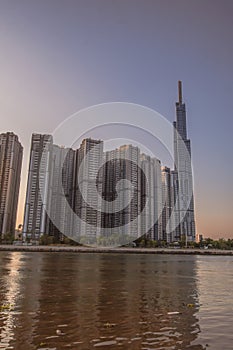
(60, 56)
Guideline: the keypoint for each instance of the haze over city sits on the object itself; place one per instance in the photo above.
(59, 57)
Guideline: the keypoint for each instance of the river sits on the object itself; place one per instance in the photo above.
(115, 301)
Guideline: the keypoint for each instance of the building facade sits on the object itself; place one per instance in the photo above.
(11, 153)
(182, 176)
(151, 198)
(61, 200)
(88, 190)
(36, 221)
(166, 203)
(122, 193)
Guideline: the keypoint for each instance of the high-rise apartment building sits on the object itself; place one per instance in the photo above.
(36, 220)
(88, 186)
(11, 153)
(61, 201)
(54, 196)
(122, 193)
(151, 197)
(183, 175)
(110, 219)
(50, 196)
(166, 203)
(129, 191)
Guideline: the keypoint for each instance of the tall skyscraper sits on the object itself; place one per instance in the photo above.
(129, 160)
(50, 190)
(111, 175)
(136, 202)
(11, 153)
(61, 192)
(166, 203)
(183, 175)
(122, 192)
(36, 221)
(151, 198)
(88, 185)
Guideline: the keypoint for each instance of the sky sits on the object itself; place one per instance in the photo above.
(58, 57)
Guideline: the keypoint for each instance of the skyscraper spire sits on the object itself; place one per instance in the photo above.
(182, 175)
(180, 91)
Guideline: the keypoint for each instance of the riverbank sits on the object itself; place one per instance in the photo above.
(125, 250)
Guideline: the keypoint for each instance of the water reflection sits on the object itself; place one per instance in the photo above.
(215, 289)
(138, 295)
(88, 301)
(9, 295)
(19, 294)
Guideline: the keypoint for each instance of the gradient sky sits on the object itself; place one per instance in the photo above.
(60, 56)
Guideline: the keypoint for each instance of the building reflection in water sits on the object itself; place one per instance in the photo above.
(138, 297)
(215, 288)
(85, 301)
(19, 295)
(9, 294)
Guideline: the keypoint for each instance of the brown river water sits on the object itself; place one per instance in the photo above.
(115, 301)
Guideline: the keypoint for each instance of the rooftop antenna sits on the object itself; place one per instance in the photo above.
(180, 91)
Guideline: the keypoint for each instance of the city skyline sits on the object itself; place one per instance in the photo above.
(62, 182)
(94, 196)
(171, 181)
(129, 51)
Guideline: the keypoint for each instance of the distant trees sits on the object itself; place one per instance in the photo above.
(116, 239)
(45, 239)
(208, 242)
(221, 243)
(142, 242)
(8, 238)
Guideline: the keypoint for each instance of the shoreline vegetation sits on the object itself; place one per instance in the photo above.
(117, 250)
